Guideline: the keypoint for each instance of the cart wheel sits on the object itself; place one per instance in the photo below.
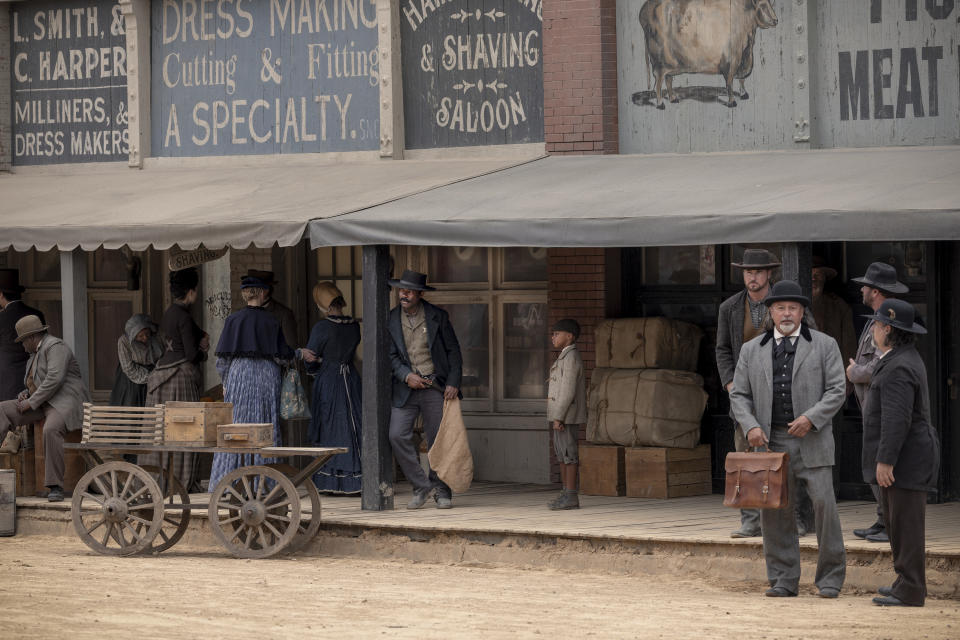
(126, 515)
(254, 511)
(307, 490)
(175, 521)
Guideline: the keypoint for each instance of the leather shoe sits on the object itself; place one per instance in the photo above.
(779, 592)
(829, 592)
(892, 601)
(443, 502)
(744, 532)
(879, 537)
(419, 498)
(873, 529)
(55, 495)
(885, 591)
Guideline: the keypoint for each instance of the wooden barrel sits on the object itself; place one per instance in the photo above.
(8, 502)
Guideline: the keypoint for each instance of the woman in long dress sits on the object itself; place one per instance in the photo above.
(138, 350)
(336, 407)
(177, 375)
(249, 356)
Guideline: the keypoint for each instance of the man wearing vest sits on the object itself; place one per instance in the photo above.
(742, 317)
(427, 367)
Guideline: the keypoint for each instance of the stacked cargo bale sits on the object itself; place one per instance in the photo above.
(645, 394)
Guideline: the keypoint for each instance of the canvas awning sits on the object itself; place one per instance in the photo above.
(231, 204)
(910, 193)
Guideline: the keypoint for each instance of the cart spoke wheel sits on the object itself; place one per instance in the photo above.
(125, 517)
(241, 504)
(305, 531)
(175, 521)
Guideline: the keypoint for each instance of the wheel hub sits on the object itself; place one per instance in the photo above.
(115, 510)
(253, 513)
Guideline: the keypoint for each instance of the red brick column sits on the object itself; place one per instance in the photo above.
(580, 76)
(577, 289)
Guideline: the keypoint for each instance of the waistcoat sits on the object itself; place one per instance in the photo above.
(782, 386)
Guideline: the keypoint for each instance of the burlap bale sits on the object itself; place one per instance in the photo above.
(647, 343)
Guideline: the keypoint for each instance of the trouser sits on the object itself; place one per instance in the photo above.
(429, 404)
(749, 518)
(875, 488)
(906, 525)
(781, 546)
(54, 431)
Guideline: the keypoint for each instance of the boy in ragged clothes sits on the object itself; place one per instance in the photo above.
(566, 408)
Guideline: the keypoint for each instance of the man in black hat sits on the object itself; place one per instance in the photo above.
(879, 284)
(787, 387)
(742, 317)
(427, 367)
(13, 359)
(283, 314)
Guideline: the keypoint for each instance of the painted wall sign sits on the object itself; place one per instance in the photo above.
(184, 259)
(472, 72)
(264, 77)
(69, 82)
(722, 75)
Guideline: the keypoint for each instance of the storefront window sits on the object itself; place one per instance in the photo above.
(908, 258)
(109, 267)
(525, 348)
(524, 264)
(693, 265)
(46, 267)
(344, 267)
(456, 265)
(470, 323)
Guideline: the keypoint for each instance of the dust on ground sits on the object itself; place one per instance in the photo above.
(55, 587)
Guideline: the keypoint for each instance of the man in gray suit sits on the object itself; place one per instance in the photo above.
(788, 385)
(54, 393)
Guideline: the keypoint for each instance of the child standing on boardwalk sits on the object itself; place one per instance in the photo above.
(566, 408)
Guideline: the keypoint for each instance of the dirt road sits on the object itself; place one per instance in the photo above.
(54, 587)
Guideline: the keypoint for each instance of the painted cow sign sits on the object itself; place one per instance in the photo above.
(703, 36)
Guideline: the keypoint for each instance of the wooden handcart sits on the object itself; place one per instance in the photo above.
(120, 508)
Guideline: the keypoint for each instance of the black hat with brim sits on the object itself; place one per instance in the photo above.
(882, 276)
(757, 259)
(786, 291)
(413, 280)
(898, 313)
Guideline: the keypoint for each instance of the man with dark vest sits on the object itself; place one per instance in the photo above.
(787, 387)
(879, 284)
(742, 317)
(283, 314)
(13, 359)
(427, 368)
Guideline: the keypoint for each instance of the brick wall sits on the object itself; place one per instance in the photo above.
(577, 289)
(580, 76)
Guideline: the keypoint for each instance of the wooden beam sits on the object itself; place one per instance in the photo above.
(798, 265)
(376, 457)
(73, 286)
(391, 80)
(136, 17)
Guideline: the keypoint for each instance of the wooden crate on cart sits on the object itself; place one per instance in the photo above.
(195, 424)
(122, 425)
(245, 435)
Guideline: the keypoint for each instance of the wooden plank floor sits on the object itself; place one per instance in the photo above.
(521, 509)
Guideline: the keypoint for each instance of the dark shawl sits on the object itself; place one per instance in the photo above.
(253, 332)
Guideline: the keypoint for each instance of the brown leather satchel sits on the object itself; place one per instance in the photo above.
(756, 480)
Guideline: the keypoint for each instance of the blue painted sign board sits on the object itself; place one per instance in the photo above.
(234, 77)
(69, 82)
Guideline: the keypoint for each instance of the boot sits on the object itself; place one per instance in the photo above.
(567, 500)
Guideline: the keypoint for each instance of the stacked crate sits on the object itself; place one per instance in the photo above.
(644, 407)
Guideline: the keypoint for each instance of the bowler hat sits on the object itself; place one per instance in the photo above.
(899, 314)
(569, 325)
(27, 326)
(882, 276)
(10, 281)
(266, 276)
(413, 280)
(757, 259)
(324, 293)
(786, 291)
(819, 263)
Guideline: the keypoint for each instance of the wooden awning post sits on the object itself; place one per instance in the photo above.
(73, 288)
(376, 457)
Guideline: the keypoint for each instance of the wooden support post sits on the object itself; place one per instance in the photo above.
(136, 17)
(73, 286)
(376, 457)
(798, 265)
(391, 80)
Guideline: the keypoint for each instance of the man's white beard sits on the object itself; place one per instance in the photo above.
(786, 328)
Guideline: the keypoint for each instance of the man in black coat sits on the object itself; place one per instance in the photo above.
(901, 451)
(427, 368)
(13, 359)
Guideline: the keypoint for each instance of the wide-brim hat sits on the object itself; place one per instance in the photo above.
(10, 281)
(819, 263)
(411, 280)
(882, 276)
(757, 259)
(267, 276)
(786, 291)
(898, 313)
(27, 326)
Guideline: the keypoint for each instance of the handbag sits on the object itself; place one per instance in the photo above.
(756, 480)
(293, 400)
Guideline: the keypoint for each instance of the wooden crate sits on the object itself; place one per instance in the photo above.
(659, 472)
(195, 423)
(245, 435)
(602, 470)
(122, 425)
(23, 463)
(74, 466)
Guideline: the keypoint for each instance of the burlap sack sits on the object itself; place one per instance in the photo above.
(645, 407)
(647, 343)
(450, 454)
